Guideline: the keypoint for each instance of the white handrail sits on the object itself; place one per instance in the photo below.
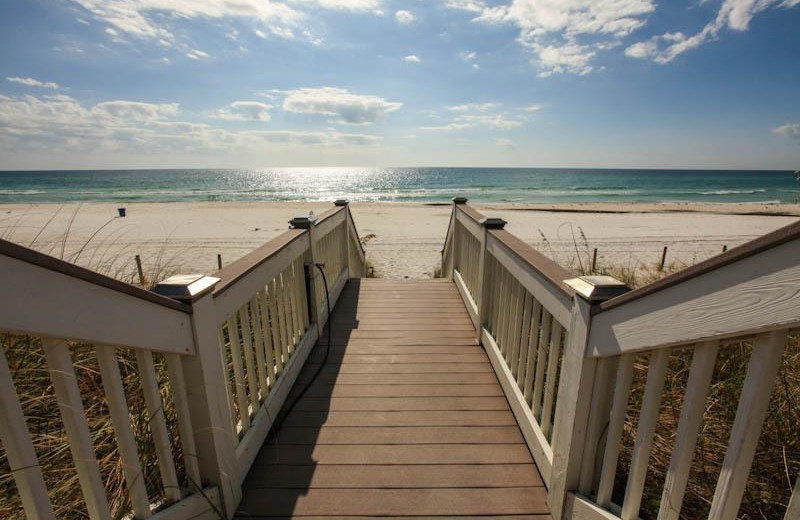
(255, 314)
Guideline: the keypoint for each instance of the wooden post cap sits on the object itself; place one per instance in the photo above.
(302, 222)
(597, 288)
(460, 200)
(492, 223)
(341, 202)
(186, 287)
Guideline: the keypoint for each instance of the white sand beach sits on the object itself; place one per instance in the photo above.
(402, 239)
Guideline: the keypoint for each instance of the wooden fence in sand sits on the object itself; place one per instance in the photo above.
(233, 344)
(564, 350)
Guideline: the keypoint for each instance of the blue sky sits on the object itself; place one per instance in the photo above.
(259, 83)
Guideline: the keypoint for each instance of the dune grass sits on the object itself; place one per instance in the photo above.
(777, 461)
(100, 252)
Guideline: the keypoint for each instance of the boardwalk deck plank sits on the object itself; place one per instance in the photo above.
(405, 419)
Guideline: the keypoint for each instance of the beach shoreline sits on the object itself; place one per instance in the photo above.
(403, 240)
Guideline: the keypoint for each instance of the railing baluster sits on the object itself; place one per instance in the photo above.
(622, 390)
(516, 313)
(541, 360)
(269, 350)
(123, 432)
(249, 364)
(521, 357)
(645, 430)
(285, 312)
(550, 383)
(533, 351)
(238, 373)
(65, 386)
(764, 363)
(602, 392)
(694, 405)
(505, 306)
(181, 399)
(228, 390)
(275, 329)
(258, 344)
(16, 440)
(158, 425)
(793, 509)
(281, 318)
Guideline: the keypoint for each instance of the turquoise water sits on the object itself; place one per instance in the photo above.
(507, 185)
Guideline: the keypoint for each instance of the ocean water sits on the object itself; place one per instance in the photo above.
(489, 185)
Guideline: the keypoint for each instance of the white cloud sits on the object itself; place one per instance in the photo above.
(554, 30)
(473, 107)
(476, 66)
(503, 141)
(532, 108)
(474, 6)
(61, 123)
(468, 55)
(245, 111)
(411, 58)
(790, 130)
(153, 19)
(343, 106)
(196, 54)
(134, 111)
(475, 115)
(30, 82)
(404, 17)
(260, 33)
(732, 14)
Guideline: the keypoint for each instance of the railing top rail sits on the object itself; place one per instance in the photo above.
(50, 263)
(553, 272)
(470, 212)
(229, 274)
(328, 214)
(549, 269)
(748, 249)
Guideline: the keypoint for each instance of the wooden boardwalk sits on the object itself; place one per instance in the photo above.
(407, 418)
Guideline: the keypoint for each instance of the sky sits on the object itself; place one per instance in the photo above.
(266, 83)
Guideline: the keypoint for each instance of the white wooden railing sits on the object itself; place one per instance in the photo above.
(564, 351)
(233, 345)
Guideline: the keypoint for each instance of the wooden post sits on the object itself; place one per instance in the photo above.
(339, 203)
(575, 390)
(309, 222)
(219, 261)
(594, 261)
(207, 390)
(139, 269)
(724, 248)
(447, 271)
(663, 259)
(484, 276)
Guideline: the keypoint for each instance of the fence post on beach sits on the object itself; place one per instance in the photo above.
(663, 259)
(575, 390)
(483, 269)
(594, 260)
(219, 261)
(209, 408)
(309, 222)
(139, 269)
